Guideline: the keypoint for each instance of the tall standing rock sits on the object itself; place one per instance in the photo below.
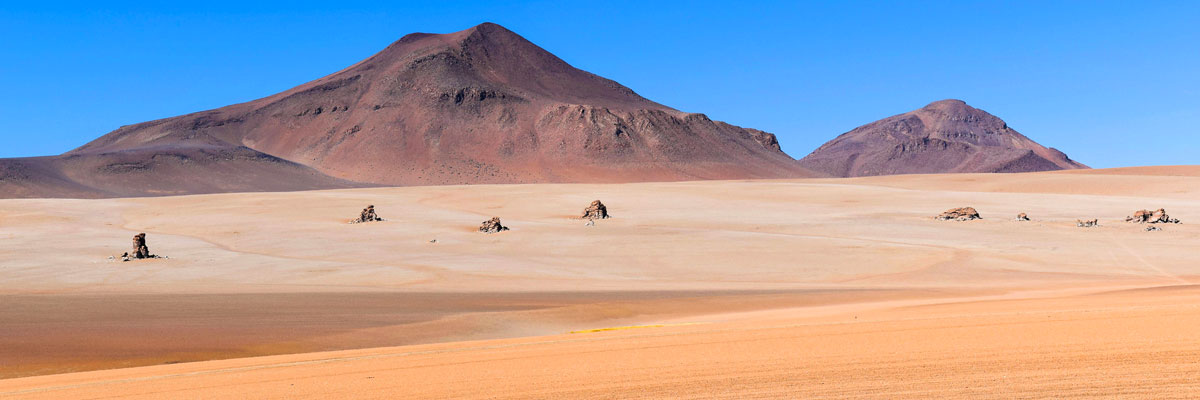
(367, 215)
(140, 250)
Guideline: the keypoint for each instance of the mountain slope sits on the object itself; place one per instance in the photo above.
(944, 136)
(482, 105)
(141, 172)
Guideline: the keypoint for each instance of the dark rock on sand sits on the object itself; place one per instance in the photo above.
(492, 226)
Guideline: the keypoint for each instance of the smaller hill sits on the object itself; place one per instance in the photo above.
(942, 137)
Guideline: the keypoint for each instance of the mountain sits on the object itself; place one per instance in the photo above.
(482, 105)
(944, 136)
(158, 171)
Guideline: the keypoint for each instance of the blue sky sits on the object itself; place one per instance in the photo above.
(1109, 83)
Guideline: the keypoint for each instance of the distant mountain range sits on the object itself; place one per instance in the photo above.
(484, 105)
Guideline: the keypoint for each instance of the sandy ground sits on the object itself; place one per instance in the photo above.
(814, 288)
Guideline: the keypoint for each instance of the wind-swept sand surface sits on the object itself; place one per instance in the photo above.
(810, 288)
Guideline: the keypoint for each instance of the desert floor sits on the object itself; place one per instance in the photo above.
(805, 288)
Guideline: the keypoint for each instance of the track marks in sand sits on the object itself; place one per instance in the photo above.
(1145, 263)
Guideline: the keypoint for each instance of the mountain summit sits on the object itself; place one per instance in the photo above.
(944, 136)
(482, 105)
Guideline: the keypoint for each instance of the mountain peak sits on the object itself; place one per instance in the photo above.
(944, 136)
(480, 105)
(491, 27)
(948, 104)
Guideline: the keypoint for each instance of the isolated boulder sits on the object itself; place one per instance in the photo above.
(596, 210)
(367, 215)
(1022, 217)
(1087, 224)
(492, 226)
(1151, 217)
(140, 250)
(960, 214)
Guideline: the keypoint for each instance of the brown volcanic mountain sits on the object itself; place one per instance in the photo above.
(944, 136)
(482, 105)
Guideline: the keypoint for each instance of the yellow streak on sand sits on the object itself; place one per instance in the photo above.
(821, 288)
(621, 328)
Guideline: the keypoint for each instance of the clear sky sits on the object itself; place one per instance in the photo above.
(1109, 83)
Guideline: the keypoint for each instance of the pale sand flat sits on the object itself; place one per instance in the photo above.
(771, 270)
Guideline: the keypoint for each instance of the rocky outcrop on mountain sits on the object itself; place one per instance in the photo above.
(1151, 217)
(1022, 217)
(596, 210)
(492, 226)
(482, 105)
(944, 136)
(367, 215)
(1091, 223)
(959, 214)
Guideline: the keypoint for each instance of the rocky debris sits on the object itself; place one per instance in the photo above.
(367, 215)
(596, 210)
(1151, 217)
(492, 226)
(1152, 228)
(1022, 217)
(960, 214)
(1087, 224)
(140, 250)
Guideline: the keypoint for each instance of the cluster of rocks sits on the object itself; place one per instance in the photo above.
(1148, 217)
(1142, 216)
(492, 226)
(140, 250)
(1152, 228)
(960, 214)
(367, 215)
(596, 210)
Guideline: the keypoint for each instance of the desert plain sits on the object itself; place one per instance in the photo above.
(805, 288)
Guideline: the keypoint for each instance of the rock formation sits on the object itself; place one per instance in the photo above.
(596, 210)
(492, 226)
(944, 136)
(1022, 217)
(140, 250)
(367, 215)
(960, 214)
(1147, 217)
(1087, 224)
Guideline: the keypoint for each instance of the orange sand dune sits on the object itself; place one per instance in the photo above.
(776, 288)
(1129, 344)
